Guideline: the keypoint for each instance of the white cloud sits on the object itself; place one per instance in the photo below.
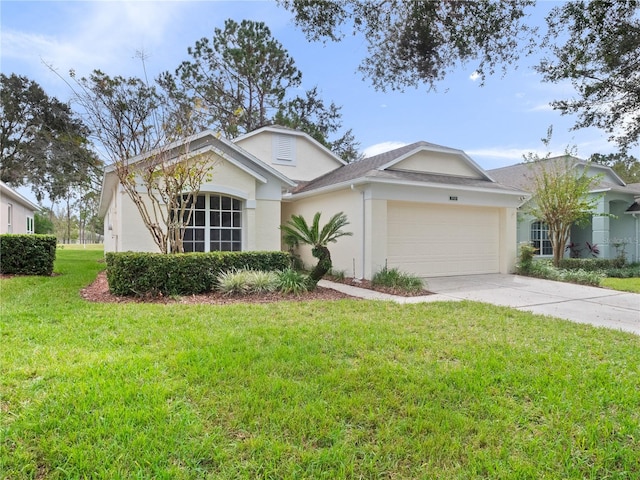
(542, 107)
(474, 76)
(382, 147)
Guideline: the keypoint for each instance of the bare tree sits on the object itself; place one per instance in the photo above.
(147, 139)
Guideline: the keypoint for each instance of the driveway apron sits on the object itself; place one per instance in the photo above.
(595, 306)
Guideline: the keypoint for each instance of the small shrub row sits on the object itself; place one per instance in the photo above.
(397, 280)
(592, 264)
(241, 282)
(629, 271)
(544, 269)
(143, 274)
(27, 254)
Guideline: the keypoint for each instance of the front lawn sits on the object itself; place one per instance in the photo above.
(622, 284)
(342, 389)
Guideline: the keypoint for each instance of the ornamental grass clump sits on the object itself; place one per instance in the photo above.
(242, 282)
(397, 280)
(292, 281)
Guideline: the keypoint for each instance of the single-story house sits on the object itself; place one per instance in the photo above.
(613, 230)
(16, 211)
(426, 209)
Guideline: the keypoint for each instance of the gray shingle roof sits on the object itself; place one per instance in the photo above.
(367, 168)
(521, 176)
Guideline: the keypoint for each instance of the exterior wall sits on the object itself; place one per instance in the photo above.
(435, 162)
(125, 231)
(508, 236)
(266, 226)
(310, 160)
(20, 211)
(346, 253)
(19, 215)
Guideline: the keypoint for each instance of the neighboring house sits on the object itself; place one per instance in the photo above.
(615, 228)
(423, 208)
(16, 211)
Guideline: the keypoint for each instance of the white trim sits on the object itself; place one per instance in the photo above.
(366, 180)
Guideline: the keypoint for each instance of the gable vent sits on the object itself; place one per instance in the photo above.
(284, 149)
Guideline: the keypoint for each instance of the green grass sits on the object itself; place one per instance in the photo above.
(622, 284)
(346, 389)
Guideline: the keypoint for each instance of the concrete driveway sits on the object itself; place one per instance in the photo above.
(592, 305)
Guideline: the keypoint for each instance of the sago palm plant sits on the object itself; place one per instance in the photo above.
(297, 231)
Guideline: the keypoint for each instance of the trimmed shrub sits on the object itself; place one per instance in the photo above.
(527, 252)
(27, 254)
(592, 264)
(142, 274)
(630, 271)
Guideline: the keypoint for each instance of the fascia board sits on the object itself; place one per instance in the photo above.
(365, 180)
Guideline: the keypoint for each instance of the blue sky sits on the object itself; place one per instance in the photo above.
(495, 124)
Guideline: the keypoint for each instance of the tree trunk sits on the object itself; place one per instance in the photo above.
(323, 266)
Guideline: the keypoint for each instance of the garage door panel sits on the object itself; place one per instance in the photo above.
(438, 240)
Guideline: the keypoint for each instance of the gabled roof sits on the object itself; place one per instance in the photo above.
(203, 142)
(520, 175)
(379, 169)
(289, 131)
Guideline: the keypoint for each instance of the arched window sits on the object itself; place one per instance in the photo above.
(215, 225)
(540, 238)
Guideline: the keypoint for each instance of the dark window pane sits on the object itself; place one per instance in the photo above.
(226, 203)
(199, 234)
(200, 216)
(236, 204)
(215, 219)
(236, 246)
(236, 219)
(236, 235)
(215, 234)
(188, 247)
(225, 235)
(215, 202)
(200, 205)
(225, 246)
(226, 219)
(188, 234)
(199, 247)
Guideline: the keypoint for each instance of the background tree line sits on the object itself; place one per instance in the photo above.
(242, 78)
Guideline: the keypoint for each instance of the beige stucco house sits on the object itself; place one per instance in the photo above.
(16, 211)
(423, 208)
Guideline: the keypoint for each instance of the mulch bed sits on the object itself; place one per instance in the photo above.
(98, 291)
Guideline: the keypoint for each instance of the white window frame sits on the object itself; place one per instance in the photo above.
(543, 241)
(284, 149)
(236, 214)
(9, 218)
(30, 225)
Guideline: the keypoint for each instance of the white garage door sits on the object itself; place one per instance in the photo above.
(440, 240)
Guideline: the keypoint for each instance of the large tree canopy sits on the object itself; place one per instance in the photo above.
(43, 144)
(594, 45)
(414, 42)
(242, 79)
(600, 56)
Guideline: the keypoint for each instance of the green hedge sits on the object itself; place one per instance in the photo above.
(591, 264)
(27, 254)
(141, 274)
